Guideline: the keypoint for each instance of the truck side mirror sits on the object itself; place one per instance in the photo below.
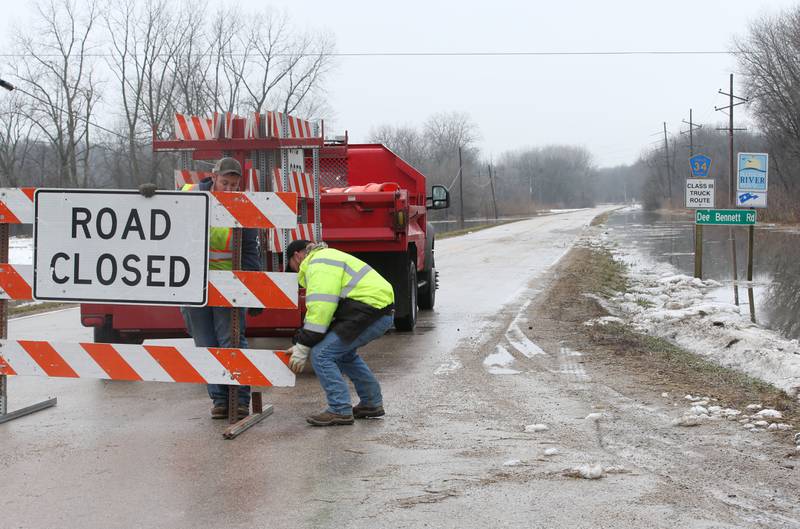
(439, 199)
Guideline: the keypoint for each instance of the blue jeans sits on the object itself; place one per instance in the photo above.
(332, 357)
(211, 327)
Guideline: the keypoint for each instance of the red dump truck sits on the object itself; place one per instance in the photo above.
(373, 205)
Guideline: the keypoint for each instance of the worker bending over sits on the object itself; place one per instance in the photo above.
(348, 304)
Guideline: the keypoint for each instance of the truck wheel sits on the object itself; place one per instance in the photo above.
(406, 322)
(427, 293)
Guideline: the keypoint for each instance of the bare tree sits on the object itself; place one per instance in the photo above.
(16, 138)
(768, 57)
(56, 73)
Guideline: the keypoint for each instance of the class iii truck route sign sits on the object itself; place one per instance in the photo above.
(699, 193)
(120, 247)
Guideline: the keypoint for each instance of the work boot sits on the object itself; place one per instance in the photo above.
(368, 412)
(327, 418)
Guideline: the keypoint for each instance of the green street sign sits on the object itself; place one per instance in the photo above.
(728, 217)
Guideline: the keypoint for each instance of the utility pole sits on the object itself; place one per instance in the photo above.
(698, 228)
(494, 200)
(460, 191)
(732, 183)
(668, 165)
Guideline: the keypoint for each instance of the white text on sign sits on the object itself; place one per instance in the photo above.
(120, 247)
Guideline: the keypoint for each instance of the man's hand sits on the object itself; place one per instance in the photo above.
(254, 311)
(299, 357)
(148, 189)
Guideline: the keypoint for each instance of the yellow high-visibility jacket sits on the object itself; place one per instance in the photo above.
(343, 294)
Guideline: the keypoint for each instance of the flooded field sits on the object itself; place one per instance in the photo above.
(665, 237)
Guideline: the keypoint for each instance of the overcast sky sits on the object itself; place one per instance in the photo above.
(610, 104)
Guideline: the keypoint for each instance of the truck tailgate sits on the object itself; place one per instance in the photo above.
(367, 216)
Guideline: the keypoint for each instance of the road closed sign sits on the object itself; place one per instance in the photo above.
(120, 247)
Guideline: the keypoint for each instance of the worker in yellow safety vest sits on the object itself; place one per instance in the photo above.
(211, 326)
(348, 304)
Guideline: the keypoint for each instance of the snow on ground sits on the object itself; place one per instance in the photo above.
(665, 303)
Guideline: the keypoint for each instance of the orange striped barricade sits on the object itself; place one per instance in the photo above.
(228, 209)
(226, 288)
(152, 363)
(236, 288)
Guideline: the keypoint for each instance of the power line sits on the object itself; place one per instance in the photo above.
(433, 54)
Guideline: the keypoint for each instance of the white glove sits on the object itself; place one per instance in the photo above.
(299, 357)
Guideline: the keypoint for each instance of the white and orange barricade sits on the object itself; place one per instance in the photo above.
(148, 363)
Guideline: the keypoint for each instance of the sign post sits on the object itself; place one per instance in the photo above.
(751, 192)
(5, 416)
(699, 194)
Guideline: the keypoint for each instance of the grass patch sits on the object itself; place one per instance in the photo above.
(28, 309)
(672, 368)
(600, 219)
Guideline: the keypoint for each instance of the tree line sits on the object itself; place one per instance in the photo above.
(518, 182)
(96, 79)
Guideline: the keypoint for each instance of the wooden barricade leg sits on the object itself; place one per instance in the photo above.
(5, 416)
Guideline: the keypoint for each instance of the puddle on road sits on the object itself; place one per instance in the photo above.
(499, 363)
(670, 238)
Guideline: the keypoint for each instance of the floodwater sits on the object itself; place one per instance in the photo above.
(669, 238)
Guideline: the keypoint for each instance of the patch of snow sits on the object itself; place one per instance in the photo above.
(532, 428)
(605, 320)
(665, 395)
(449, 367)
(682, 309)
(754, 407)
(512, 463)
(497, 363)
(494, 370)
(551, 451)
(585, 472)
(699, 410)
(501, 358)
(691, 420)
(518, 339)
(770, 414)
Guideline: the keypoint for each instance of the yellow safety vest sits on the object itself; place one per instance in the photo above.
(329, 275)
(219, 245)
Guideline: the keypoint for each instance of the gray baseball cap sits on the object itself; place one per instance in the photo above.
(228, 166)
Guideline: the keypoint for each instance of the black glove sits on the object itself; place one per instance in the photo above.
(254, 311)
(148, 189)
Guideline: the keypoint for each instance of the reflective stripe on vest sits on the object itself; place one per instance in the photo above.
(220, 255)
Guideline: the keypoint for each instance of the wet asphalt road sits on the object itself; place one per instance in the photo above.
(148, 455)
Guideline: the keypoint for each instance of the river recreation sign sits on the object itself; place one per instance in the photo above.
(700, 193)
(752, 180)
(120, 247)
(729, 217)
